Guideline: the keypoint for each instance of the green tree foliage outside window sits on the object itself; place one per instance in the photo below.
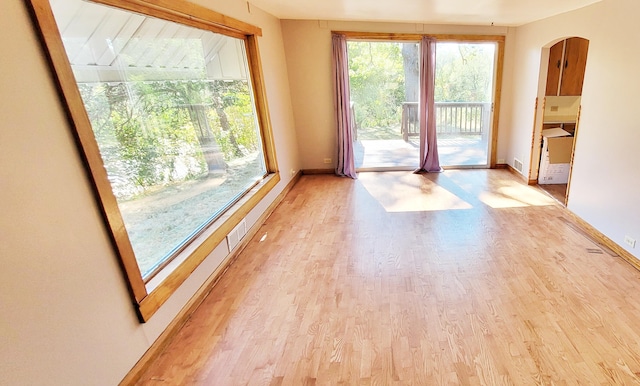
(383, 75)
(376, 76)
(461, 72)
(150, 133)
(157, 136)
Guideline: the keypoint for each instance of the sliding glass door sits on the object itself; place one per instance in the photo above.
(384, 81)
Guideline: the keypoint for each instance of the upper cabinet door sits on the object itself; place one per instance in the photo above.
(575, 61)
(567, 62)
(555, 67)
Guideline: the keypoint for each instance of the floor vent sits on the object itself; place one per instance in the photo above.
(580, 231)
(517, 164)
(236, 234)
(596, 251)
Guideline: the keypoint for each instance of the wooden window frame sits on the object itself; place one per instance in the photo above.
(149, 297)
(459, 38)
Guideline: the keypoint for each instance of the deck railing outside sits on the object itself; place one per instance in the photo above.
(454, 118)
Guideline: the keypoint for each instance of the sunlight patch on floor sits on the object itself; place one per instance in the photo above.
(514, 195)
(407, 192)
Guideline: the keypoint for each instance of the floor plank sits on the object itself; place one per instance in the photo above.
(557, 191)
(465, 277)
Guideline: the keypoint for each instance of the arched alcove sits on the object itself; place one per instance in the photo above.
(562, 69)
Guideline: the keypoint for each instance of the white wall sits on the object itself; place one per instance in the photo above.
(65, 315)
(606, 179)
(308, 48)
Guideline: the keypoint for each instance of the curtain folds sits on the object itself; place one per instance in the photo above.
(345, 163)
(429, 161)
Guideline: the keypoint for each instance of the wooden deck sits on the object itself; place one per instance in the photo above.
(397, 153)
(467, 277)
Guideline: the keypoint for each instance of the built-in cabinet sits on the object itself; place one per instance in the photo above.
(567, 63)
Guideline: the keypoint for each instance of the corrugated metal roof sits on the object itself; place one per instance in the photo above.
(108, 44)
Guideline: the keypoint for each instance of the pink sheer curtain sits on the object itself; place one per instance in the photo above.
(429, 161)
(346, 163)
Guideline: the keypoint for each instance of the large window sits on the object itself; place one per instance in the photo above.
(175, 116)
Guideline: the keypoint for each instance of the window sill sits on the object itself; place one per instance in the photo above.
(167, 281)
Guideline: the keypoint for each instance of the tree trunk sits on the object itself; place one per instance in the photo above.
(410, 53)
(218, 105)
(210, 149)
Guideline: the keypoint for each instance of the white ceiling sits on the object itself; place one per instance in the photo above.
(474, 12)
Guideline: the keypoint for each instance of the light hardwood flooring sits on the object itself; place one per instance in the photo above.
(466, 277)
(557, 191)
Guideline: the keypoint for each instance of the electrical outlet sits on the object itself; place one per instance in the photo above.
(501, 160)
(327, 160)
(630, 241)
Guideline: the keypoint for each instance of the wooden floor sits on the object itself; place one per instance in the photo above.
(557, 191)
(467, 277)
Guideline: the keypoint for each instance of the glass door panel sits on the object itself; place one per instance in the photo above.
(384, 84)
(463, 102)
